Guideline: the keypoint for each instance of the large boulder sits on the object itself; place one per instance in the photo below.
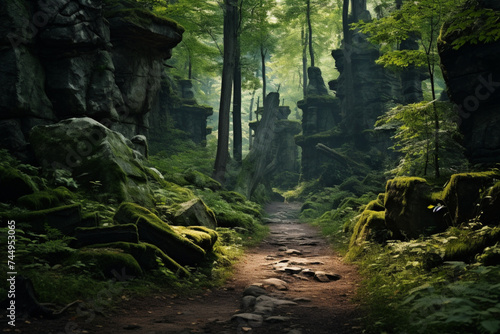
(406, 208)
(463, 195)
(155, 231)
(96, 156)
(194, 213)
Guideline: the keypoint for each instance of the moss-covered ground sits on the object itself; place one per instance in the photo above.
(439, 283)
(62, 273)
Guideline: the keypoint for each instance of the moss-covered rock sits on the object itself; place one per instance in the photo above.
(102, 235)
(370, 226)
(146, 255)
(110, 262)
(491, 208)
(64, 218)
(155, 231)
(46, 199)
(99, 158)
(376, 204)
(406, 208)
(200, 235)
(470, 244)
(201, 180)
(194, 213)
(14, 184)
(463, 194)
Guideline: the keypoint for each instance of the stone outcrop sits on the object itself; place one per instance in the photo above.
(96, 156)
(274, 147)
(472, 74)
(63, 59)
(176, 107)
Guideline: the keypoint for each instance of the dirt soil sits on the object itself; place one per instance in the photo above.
(321, 307)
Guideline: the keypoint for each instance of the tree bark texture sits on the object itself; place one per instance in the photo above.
(222, 155)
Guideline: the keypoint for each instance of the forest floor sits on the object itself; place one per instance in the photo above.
(283, 266)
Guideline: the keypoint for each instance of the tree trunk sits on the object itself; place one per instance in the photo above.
(308, 14)
(348, 79)
(304, 37)
(222, 155)
(263, 65)
(250, 119)
(237, 135)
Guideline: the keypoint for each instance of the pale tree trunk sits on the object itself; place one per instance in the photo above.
(309, 25)
(250, 119)
(304, 37)
(222, 155)
(237, 135)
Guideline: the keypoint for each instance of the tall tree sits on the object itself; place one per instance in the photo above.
(237, 132)
(222, 155)
(309, 27)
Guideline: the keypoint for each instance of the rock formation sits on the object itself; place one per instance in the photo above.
(176, 107)
(274, 141)
(63, 59)
(472, 74)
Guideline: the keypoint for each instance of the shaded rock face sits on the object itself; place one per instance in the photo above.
(176, 106)
(406, 209)
(62, 59)
(93, 153)
(472, 75)
(282, 152)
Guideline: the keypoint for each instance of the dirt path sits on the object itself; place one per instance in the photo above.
(294, 301)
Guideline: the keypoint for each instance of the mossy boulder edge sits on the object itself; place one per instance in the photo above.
(155, 231)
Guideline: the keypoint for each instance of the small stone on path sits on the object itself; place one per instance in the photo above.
(293, 270)
(293, 252)
(255, 291)
(321, 277)
(277, 283)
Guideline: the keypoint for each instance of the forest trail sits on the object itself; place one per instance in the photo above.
(315, 307)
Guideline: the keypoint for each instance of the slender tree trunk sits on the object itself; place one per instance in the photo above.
(237, 135)
(222, 155)
(250, 119)
(304, 37)
(311, 51)
(263, 66)
(348, 79)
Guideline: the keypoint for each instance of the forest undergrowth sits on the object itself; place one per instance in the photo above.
(447, 282)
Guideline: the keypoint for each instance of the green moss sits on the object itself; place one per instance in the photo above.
(463, 192)
(155, 231)
(14, 184)
(142, 17)
(203, 237)
(64, 218)
(108, 261)
(370, 226)
(46, 199)
(146, 255)
(398, 190)
(469, 244)
(376, 204)
(201, 180)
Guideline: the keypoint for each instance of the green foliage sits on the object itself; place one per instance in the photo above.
(415, 137)
(232, 210)
(472, 25)
(46, 199)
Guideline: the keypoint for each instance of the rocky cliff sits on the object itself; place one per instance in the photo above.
(60, 59)
(472, 74)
